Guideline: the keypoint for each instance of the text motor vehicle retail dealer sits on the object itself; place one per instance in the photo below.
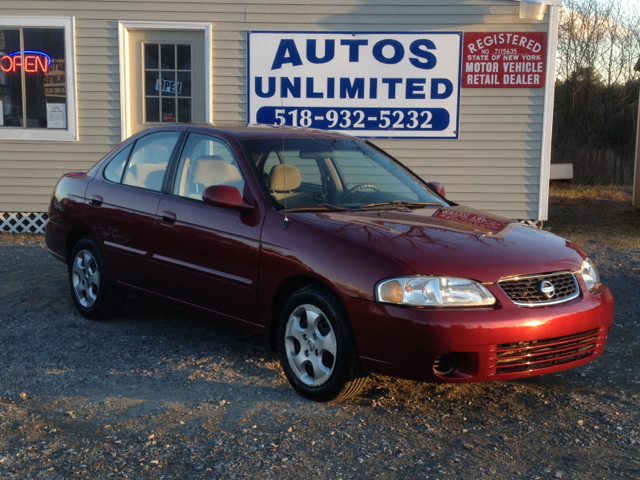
(504, 60)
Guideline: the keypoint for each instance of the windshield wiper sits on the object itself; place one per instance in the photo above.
(400, 203)
(320, 207)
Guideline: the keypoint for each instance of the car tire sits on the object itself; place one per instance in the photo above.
(92, 290)
(317, 347)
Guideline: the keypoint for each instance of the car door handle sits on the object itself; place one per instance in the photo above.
(96, 200)
(168, 217)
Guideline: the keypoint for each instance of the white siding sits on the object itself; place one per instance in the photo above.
(495, 165)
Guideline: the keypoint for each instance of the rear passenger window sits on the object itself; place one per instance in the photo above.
(114, 170)
(149, 160)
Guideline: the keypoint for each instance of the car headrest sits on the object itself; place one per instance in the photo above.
(284, 177)
(213, 170)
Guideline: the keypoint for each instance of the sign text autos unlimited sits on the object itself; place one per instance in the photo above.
(371, 84)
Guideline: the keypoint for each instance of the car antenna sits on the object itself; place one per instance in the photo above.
(286, 223)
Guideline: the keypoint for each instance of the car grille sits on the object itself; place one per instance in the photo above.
(534, 355)
(526, 291)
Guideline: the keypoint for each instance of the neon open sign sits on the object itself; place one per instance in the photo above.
(34, 62)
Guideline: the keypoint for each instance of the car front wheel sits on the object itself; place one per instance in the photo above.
(93, 293)
(317, 346)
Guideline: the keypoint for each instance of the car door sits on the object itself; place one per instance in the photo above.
(208, 255)
(122, 202)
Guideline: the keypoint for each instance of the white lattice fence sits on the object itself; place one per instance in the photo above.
(23, 222)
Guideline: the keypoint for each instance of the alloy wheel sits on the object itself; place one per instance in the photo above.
(311, 345)
(85, 277)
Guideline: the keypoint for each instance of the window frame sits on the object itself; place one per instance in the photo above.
(126, 96)
(69, 134)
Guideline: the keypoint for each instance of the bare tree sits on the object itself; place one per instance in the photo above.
(599, 35)
(597, 90)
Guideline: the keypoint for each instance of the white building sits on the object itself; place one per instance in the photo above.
(96, 72)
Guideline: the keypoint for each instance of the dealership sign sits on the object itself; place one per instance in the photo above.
(377, 85)
(504, 60)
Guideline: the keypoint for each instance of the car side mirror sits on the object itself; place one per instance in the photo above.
(439, 189)
(226, 196)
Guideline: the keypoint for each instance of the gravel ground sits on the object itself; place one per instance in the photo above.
(161, 393)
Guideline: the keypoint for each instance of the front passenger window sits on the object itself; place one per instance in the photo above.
(149, 160)
(206, 161)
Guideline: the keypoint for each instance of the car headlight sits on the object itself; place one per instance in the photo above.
(434, 292)
(590, 275)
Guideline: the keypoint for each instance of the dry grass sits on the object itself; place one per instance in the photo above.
(21, 239)
(621, 194)
(602, 214)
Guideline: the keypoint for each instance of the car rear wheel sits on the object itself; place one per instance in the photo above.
(317, 347)
(92, 290)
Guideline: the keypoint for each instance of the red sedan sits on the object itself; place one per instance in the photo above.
(346, 260)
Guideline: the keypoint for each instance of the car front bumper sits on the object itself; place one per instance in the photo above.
(500, 343)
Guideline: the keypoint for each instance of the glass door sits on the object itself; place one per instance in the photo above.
(167, 78)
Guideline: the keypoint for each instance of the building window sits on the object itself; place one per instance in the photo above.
(37, 90)
(32, 79)
(167, 83)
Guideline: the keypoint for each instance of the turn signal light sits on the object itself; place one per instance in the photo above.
(391, 292)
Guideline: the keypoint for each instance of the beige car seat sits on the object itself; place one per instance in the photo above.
(283, 179)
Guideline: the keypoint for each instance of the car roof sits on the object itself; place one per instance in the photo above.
(243, 131)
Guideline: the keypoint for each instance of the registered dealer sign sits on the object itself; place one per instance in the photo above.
(504, 60)
(375, 85)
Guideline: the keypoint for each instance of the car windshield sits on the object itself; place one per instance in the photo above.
(334, 174)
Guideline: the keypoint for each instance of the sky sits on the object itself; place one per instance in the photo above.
(632, 4)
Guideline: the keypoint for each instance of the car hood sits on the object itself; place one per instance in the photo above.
(453, 241)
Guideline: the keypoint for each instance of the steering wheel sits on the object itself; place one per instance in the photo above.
(357, 188)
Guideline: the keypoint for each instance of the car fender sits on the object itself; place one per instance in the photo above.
(297, 249)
